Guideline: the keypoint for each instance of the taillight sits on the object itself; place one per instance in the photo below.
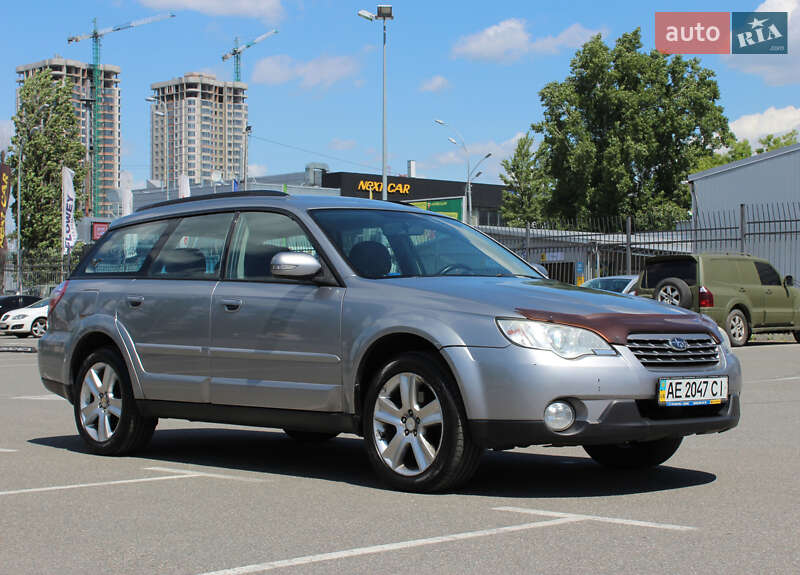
(56, 295)
(706, 297)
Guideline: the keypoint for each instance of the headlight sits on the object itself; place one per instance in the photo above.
(20, 316)
(563, 340)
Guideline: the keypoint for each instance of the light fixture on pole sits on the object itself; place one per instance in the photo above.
(471, 175)
(159, 113)
(384, 13)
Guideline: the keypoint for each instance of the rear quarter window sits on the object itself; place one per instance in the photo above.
(655, 272)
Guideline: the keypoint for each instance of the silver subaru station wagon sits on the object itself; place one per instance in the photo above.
(327, 315)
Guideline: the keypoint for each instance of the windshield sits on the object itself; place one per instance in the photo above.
(385, 243)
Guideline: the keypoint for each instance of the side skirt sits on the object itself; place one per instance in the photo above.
(255, 416)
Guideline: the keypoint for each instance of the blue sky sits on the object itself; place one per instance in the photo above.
(316, 85)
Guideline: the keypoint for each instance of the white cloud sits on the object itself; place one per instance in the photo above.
(507, 40)
(6, 133)
(491, 167)
(770, 121)
(775, 69)
(256, 170)
(264, 10)
(573, 37)
(324, 71)
(510, 40)
(435, 84)
(341, 145)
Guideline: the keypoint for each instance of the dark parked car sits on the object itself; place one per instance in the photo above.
(9, 302)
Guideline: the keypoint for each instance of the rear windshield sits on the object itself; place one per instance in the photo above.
(683, 268)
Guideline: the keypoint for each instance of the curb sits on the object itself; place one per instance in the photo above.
(18, 349)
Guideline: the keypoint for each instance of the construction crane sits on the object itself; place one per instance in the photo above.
(236, 53)
(97, 88)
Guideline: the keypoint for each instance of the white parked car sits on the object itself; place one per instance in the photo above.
(25, 321)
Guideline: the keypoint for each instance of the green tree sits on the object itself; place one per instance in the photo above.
(625, 127)
(739, 150)
(47, 128)
(772, 142)
(528, 183)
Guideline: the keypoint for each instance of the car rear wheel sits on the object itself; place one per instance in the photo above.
(797, 336)
(309, 436)
(105, 409)
(673, 291)
(737, 327)
(415, 428)
(39, 327)
(634, 454)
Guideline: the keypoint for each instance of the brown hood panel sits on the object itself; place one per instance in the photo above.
(615, 327)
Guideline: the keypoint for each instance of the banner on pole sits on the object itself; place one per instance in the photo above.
(183, 187)
(5, 192)
(70, 233)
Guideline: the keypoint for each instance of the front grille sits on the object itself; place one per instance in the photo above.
(656, 351)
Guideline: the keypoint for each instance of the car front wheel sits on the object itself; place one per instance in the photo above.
(105, 409)
(415, 428)
(634, 454)
(39, 327)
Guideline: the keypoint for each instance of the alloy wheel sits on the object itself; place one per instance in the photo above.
(737, 327)
(669, 295)
(100, 402)
(407, 424)
(39, 328)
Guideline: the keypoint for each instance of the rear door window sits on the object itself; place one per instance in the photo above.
(767, 274)
(123, 251)
(683, 268)
(194, 248)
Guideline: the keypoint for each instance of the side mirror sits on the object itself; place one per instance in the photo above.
(541, 269)
(788, 281)
(294, 265)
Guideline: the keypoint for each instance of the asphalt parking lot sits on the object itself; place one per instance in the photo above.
(206, 498)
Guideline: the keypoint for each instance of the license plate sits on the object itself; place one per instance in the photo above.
(692, 390)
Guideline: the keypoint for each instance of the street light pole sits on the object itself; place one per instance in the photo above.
(384, 13)
(159, 103)
(470, 170)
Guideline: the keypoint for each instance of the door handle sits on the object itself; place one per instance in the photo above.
(768, 292)
(232, 304)
(135, 300)
(742, 290)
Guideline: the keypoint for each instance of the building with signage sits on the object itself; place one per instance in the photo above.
(446, 196)
(198, 127)
(79, 74)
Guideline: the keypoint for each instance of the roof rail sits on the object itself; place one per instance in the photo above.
(255, 193)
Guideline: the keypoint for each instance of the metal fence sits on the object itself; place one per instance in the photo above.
(577, 250)
(39, 277)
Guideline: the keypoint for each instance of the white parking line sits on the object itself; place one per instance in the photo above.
(559, 518)
(176, 474)
(616, 520)
(45, 397)
(4, 450)
(358, 551)
(774, 379)
(204, 474)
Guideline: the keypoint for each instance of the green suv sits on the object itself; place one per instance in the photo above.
(743, 294)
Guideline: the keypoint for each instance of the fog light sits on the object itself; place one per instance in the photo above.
(559, 416)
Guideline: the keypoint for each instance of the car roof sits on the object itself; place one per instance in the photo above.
(705, 255)
(255, 200)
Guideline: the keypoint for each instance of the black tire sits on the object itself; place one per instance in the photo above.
(673, 291)
(309, 436)
(22, 335)
(41, 322)
(129, 430)
(634, 454)
(737, 327)
(797, 336)
(456, 457)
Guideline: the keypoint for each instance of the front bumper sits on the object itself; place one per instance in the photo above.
(623, 420)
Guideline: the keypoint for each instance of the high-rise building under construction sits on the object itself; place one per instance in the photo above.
(101, 202)
(198, 129)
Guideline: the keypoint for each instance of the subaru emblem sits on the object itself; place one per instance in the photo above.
(678, 344)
